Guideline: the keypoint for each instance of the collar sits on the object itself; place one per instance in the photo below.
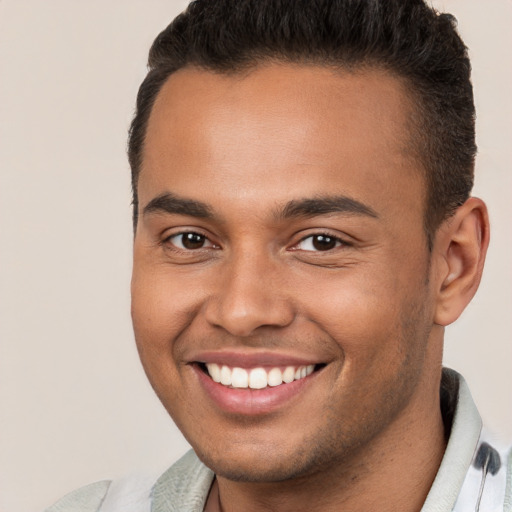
(462, 443)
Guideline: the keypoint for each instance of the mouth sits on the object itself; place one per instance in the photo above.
(257, 383)
(257, 378)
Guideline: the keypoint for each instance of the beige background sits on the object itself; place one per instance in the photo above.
(74, 403)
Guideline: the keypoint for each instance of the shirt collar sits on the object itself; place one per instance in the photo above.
(462, 443)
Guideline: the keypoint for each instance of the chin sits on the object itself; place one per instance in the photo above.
(266, 465)
(254, 471)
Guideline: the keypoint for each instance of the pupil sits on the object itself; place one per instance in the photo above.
(324, 243)
(192, 240)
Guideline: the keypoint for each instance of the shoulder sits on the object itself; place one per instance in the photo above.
(476, 470)
(488, 483)
(85, 499)
(183, 487)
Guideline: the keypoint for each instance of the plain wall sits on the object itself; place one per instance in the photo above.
(75, 406)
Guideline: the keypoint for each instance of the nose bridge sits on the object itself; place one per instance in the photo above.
(249, 293)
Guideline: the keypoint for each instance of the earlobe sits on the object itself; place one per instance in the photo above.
(460, 248)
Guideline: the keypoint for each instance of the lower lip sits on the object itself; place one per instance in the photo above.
(248, 401)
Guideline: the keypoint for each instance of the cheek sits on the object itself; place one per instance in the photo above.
(158, 316)
(353, 301)
(162, 304)
(153, 327)
(363, 313)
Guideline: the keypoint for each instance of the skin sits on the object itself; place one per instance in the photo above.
(366, 431)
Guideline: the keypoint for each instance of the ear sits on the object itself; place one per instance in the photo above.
(459, 250)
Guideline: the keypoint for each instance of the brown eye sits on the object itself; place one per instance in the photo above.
(319, 243)
(192, 240)
(189, 241)
(324, 243)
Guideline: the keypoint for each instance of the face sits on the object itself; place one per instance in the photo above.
(280, 251)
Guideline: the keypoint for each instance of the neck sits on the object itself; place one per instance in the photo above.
(394, 473)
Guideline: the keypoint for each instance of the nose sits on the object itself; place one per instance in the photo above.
(249, 295)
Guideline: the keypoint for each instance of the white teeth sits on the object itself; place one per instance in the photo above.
(289, 374)
(239, 378)
(214, 371)
(257, 378)
(225, 376)
(275, 377)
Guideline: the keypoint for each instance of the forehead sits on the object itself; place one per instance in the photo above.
(280, 127)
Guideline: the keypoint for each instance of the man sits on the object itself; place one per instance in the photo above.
(304, 232)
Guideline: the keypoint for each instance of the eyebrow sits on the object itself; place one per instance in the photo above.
(324, 206)
(170, 203)
(309, 207)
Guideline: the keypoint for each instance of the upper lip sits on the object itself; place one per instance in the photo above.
(252, 359)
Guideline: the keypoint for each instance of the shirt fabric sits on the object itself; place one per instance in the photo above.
(475, 473)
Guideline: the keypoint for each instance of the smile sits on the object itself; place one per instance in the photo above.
(257, 378)
(254, 383)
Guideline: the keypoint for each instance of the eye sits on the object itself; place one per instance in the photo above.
(319, 242)
(189, 241)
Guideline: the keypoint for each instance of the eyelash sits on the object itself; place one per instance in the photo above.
(338, 242)
(167, 241)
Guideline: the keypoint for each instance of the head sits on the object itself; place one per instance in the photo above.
(407, 39)
(301, 174)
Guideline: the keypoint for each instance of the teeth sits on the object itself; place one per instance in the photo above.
(289, 374)
(257, 378)
(214, 371)
(239, 378)
(275, 377)
(225, 376)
